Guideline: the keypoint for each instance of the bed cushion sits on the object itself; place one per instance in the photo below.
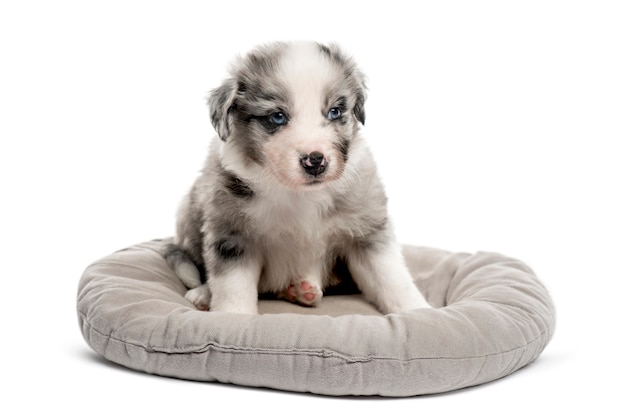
(492, 316)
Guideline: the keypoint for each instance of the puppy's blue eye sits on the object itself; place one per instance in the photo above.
(334, 113)
(278, 118)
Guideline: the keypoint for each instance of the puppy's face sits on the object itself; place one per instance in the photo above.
(290, 110)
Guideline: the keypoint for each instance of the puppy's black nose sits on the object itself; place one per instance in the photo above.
(314, 163)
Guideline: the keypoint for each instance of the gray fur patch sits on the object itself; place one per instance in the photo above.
(227, 249)
(237, 186)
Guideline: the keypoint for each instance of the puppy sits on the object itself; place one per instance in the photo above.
(288, 190)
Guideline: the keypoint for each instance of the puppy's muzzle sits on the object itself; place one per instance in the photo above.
(314, 163)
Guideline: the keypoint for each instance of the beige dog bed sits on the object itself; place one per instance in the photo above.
(492, 317)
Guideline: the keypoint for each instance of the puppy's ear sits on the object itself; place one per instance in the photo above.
(359, 106)
(359, 89)
(222, 108)
(356, 79)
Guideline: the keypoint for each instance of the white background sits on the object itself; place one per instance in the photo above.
(496, 125)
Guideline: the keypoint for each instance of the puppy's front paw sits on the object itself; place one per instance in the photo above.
(303, 293)
(200, 297)
(403, 301)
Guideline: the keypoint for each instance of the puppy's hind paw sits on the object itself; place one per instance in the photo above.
(200, 297)
(303, 293)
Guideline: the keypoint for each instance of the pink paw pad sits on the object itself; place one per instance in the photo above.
(303, 293)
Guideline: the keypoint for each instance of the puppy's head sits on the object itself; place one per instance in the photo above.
(290, 110)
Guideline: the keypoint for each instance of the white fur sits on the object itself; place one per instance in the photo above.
(236, 291)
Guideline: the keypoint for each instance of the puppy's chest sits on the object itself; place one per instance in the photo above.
(292, 221)
(296, 238)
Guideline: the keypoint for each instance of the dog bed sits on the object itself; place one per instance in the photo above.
(492, 316)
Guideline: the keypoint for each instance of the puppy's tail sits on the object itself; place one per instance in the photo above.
(189, 273)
